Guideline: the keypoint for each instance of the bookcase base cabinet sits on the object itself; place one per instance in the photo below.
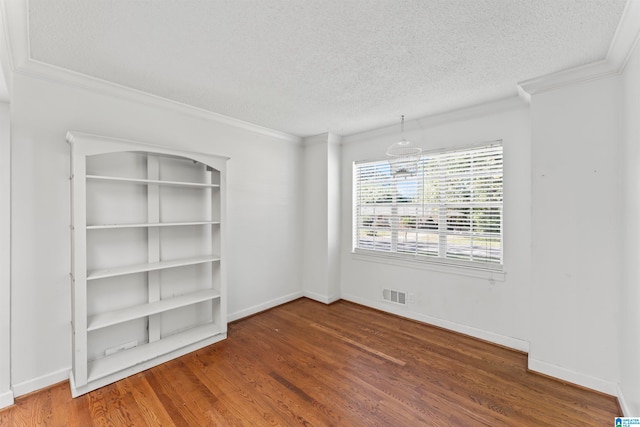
(148, 279)
(142, 365)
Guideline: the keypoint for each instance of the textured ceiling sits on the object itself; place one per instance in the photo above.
(311, 66)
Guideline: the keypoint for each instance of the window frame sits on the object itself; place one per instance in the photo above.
(489, 270)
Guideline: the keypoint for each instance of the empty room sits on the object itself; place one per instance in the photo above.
(320, 212)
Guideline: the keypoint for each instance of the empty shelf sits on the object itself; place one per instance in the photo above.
(152, 181)
(143, 353)
(111, 318)
(141, 268)
(156, 224)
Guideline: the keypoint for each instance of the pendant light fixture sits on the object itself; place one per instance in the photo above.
(403, 157)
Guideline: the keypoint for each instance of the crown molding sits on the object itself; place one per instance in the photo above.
(15, 23)
(323, 138)
(624, 41)
(571, 76)
(73, 79)
(509, 103)
(626, 37)
(16, 32)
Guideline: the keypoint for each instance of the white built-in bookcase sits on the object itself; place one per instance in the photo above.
(148, 277)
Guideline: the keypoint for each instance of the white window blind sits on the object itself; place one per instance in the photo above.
(449, 211)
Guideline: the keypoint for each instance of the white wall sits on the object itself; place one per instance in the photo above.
(630, 304)
(576, 233)
(264, 214)
(314, 198)
(321, 207)
(334, 221)
(6, 395)
(498, 311)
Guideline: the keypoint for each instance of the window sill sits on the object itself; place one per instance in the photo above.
(428, 264)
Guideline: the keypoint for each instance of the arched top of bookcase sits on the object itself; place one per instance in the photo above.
(88, 145)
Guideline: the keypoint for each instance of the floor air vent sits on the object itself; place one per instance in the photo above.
(395, 296)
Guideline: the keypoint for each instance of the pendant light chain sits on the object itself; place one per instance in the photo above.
(403, 157)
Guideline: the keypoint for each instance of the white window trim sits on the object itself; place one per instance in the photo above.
(491, 272)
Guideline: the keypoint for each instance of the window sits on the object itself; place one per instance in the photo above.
(449, 210)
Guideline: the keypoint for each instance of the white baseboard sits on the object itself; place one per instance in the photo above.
(626, 411)
(264, 306)
(43, 381)
(510, 342)
(573, 377)
(6, 399)
(320, 298)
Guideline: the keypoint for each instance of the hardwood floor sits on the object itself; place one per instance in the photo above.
(305, 363)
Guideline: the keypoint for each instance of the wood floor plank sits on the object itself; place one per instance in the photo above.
(330, 397)
(246, 388)
(310, 364)
(164, 387)
(151, 410)
(224, 407)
